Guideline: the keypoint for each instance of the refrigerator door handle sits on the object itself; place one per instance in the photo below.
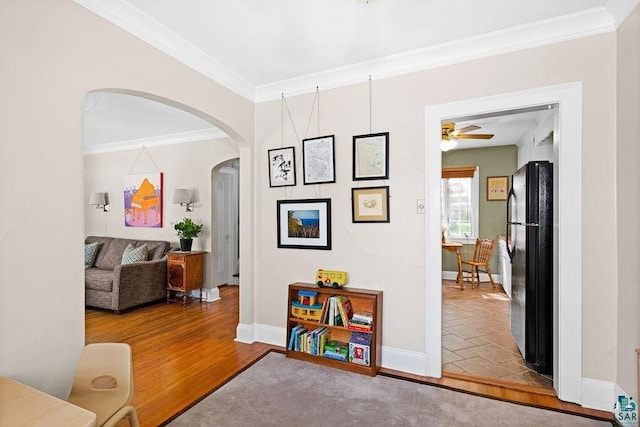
(507, 225)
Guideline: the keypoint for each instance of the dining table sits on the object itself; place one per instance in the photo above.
(457, 248)
(23, 406)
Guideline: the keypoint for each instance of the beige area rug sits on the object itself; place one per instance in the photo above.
(277, 391)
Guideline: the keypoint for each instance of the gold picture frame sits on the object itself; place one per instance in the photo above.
(370, 204)
(497, 188)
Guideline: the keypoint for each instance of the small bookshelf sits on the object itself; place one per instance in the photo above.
(361, 301)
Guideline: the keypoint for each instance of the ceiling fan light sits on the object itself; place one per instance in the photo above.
(448, 144)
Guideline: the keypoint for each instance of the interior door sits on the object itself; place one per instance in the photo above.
(227, 200)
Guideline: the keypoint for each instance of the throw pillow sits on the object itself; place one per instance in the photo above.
(90, 252)
(132, 254)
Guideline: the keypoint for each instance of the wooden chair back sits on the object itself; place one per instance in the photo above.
(482, 251)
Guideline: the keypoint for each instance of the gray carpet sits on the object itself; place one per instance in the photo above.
(277, 391)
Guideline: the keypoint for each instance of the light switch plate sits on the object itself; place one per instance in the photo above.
(421, 206)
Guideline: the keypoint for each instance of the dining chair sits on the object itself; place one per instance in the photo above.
(481, 256)
(103, 383)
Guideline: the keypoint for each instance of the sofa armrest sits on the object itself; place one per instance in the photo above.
(140, 282)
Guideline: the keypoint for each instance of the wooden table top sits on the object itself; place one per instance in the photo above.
(21, 405)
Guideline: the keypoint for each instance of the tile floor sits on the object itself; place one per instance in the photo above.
(476, 337)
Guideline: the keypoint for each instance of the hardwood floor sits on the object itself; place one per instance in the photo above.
(179, 353)
(182, 353)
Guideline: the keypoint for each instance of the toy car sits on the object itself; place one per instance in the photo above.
(330, 278)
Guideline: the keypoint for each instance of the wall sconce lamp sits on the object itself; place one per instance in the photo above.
(182, 197)
(100, 200)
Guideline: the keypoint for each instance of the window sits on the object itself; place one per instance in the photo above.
(459, 203)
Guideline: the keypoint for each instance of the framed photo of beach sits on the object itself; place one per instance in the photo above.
(304, 224)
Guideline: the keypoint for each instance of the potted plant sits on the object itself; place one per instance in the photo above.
(187, 230)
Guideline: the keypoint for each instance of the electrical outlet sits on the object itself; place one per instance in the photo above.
(421, 206)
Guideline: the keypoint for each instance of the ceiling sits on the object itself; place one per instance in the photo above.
(261, 50)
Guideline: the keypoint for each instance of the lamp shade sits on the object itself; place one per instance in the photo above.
(448, 144)
(96, 198)
(181, 195)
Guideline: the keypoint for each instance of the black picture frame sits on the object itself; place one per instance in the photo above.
(282, 167)
(304, 224)
(318, 160)
(370, 204)
(371, 156)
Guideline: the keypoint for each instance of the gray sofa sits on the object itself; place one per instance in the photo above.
(113, 286)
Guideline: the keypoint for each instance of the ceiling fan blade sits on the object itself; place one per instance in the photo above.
(466, 129)
(474, 136)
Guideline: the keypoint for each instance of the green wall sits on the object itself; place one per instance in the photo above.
(494, 161)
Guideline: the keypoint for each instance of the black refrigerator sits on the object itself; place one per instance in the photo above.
(530, 237)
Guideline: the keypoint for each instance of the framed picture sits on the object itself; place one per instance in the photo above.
(282, 167)
(371, 156)
(370, 204)
(143, 200)
(318, 160)
(304, 224)
(497, 188)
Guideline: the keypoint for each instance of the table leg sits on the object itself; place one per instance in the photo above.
(459, 261)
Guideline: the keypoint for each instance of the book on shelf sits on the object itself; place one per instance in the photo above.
(360, 348)
(362, 327)
(336, 311)
(363, 316)
(296, 339)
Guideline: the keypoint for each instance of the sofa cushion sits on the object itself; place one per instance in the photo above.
(90, 252)
(157, 249)
(99, 280)
(132, 254)
(110, 249)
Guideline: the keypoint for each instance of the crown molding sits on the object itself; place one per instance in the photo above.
(568, 27)
(155, 141)
(620, 10)
(136, 22)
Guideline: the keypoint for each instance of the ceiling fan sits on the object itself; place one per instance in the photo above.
(450, 134)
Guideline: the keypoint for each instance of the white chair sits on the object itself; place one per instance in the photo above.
(103, 383)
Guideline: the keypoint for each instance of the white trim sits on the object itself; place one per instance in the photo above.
(273, 335)
(156, 141)
(411, 362)
(136, 22)
(569, 210)
(590, 22)
(598, 394)
(563, 28)
(245, 333)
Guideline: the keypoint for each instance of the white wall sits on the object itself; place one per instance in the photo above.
(53, 53)
(185, 165)
(628, 203)
(390, 256)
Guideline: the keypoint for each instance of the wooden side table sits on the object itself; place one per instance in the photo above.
(185, 272)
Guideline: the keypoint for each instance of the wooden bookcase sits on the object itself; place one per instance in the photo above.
(361, 300)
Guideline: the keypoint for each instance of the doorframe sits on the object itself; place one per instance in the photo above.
(567, 225)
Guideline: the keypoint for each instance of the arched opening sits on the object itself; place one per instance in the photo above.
(152, 133)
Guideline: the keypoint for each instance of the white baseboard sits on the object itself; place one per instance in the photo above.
(208, 295)
(245, 333)
(271, 335)
(411, 362)
(598, 394)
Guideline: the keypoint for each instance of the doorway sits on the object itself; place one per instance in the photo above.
(225, 187)
(567, 226)
(476, 322)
